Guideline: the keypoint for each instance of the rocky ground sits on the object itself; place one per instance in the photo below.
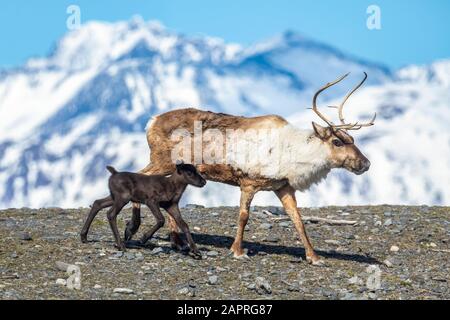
(391, 253)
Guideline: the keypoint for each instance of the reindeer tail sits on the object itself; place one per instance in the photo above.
(111, 169)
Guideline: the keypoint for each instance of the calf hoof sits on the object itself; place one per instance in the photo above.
(83, 238)
(196, 254)
(121, 247)
(177, 243)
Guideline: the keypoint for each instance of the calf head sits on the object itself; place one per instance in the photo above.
(190, 174)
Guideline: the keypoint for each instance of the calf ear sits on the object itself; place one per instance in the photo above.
(321, 132)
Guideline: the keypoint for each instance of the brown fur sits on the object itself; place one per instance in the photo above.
(155, 191)
(162, 127)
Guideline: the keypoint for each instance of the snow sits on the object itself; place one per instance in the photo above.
(61, 123)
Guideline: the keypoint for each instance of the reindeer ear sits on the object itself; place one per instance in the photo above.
(322, 132)
(178, 164)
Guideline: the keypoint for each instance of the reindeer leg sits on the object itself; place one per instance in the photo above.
(96, 207)
(247, 194)
(287, 198)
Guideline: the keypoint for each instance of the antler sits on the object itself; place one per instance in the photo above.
(315, 109)
(343, 125)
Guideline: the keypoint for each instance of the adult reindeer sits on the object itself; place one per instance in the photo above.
(313, 153)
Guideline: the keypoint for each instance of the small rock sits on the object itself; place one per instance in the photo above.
(355, 280)
(394, 249)
(123, 291)
(156, 251)
(129, 256)
(215, 214)
(372, 295)
(388, 222)
(61, 282)
(139, 256)
(193, 206)
(117, 255)
(333, 242)
(183, 291)
(265, 226)
(263, 286)
(377, 223)
(62, 266)
(212, 253)
(25, 236)
(285, 224)
(387, 263)
(345, 214)
(387, 213)
(349, 296)
(97, 286)
(272, 239)
(213, 280)
(276, 211)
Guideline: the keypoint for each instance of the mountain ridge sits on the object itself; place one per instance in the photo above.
(75, 112)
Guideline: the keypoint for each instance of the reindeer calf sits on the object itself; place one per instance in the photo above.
(155, 191)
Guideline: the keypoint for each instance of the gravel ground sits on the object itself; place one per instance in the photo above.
(393, 252)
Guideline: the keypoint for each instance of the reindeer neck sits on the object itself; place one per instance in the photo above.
(177, 182)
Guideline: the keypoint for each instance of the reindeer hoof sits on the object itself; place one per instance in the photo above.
(315, 261)
(240, 255)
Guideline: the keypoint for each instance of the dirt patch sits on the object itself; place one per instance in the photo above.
(362, 261)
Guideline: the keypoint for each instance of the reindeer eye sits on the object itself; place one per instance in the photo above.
(338, 143)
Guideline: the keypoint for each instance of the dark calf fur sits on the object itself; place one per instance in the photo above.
(155, 191)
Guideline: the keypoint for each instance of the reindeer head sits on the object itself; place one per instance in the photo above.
(343, 153)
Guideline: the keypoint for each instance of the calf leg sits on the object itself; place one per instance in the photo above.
(287, 198)
(174, 212)
(96, 207)
(159, 223)
(112, 218)
(135, 222)
(247, 194)
(175, 240)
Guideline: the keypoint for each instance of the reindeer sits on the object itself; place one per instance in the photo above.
(315, 152)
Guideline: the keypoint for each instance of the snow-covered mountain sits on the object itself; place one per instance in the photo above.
(64, 117)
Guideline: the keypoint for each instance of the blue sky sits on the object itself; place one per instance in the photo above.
(413, 31)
